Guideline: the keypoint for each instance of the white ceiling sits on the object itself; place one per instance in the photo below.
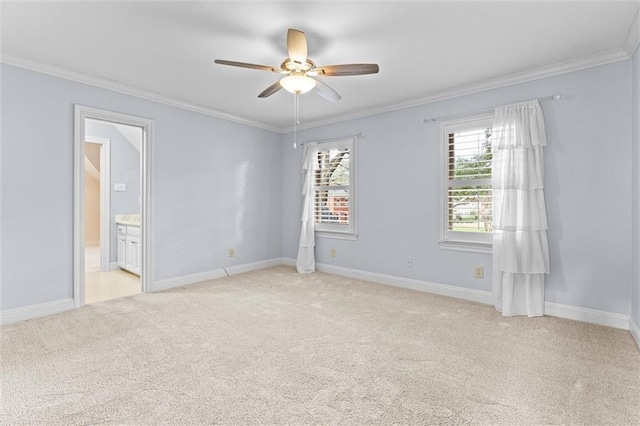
(165, 50)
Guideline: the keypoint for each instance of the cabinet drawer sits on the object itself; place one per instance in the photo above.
(133, 231)
(122, 230)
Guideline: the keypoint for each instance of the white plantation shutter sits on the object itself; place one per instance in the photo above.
(467, 203)
(334, 187)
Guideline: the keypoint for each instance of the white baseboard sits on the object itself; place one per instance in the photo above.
(591, 316)
(552, 309)
(213, 274)
(169, 283)
(36, 311)
(635, 331)
(113, 266)
(248, 267)
(410, 283)
(57, 306)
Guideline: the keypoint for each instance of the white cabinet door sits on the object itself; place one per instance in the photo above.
(130, 253)
(130, 249)
(133, 255)
(138, 263)
(122, 250)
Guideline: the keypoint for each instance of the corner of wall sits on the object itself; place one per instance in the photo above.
(635, 186)
(635, 331)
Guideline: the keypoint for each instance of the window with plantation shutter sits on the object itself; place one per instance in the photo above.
(467, 194)
(335, 187)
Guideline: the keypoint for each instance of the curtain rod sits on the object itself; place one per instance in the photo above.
(358, 135)
(554, 97)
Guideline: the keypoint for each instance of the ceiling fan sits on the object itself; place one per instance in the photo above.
(300, 70)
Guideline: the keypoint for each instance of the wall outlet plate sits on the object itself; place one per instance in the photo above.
(333, 252)
(120, 187)
(232, 252)
(478, 272)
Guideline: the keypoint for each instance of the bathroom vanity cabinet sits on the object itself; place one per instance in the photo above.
(130, 248)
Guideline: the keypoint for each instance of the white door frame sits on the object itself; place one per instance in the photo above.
(105, 200)
(81, 113)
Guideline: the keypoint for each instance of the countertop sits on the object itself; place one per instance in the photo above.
(128, 219)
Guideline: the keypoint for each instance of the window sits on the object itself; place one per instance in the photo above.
(467, 195)
(335, 188)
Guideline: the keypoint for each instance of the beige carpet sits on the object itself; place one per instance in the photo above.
(275, 347)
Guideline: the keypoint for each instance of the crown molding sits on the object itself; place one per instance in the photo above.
(496, 83)
(522, 77)
(633, 35)
(116, 86)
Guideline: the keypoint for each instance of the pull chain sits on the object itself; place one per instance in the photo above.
(296, 120)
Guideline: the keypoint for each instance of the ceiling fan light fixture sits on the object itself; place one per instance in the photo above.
(299, 70)
(297, 83)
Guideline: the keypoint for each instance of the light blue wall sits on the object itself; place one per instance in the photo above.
(125, 168)
(635, 160)
(588, 182)
(216, 185)
(219, 184)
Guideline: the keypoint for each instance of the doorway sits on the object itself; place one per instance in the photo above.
(112, 170)
(97, 196)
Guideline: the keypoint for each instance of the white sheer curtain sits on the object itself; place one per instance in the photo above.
(306, 261)
(520, 247)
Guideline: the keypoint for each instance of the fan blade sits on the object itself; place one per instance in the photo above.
(247, 65)
(271, 90)
(326, 92)
(297, 46)
(347, 69)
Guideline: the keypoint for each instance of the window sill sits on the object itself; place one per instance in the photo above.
(337, 235)
(470, 246)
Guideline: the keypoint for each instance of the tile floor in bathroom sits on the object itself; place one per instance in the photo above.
(102, 286)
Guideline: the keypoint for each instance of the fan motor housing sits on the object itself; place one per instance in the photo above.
(289, 65)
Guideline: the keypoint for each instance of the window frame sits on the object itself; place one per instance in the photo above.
(329, 230)
(455, 240)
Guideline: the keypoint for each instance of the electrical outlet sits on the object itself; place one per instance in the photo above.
(409, 263)
(232, 252)
(479, 272)
(333, 252)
